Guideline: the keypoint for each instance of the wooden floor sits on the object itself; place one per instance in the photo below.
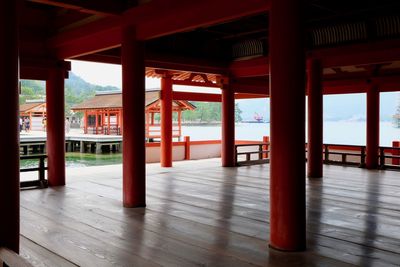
(201, 214)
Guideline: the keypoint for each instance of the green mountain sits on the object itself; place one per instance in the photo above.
(76, 90)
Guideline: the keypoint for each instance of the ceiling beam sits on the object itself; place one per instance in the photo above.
(166, 62)
(358, 54)
(96, 7)
(250, 68)
(93, 37)
(201, 97)
(152, 20)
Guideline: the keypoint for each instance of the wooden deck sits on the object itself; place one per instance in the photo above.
(201, 214)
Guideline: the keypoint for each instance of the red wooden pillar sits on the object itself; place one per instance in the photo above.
(97, 120)
(179, 123)
(147, 127)
(372, 127)
(228, 126)
(108, 122)
(287, 94)
(166, 121)
(187, 147)
(133, 104)
(9, 158)
(315, 119)
(265, 147)
(55, 126)
(85, 122)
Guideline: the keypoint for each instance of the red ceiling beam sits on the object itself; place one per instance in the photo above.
(201, 97)
(197, 84)
(165, 62)
(152, 20)
(250, 68)
(251, 87)
(184, 63)
(88, 6)
(38, 69)
(97, 36)
(248, 96)
(359, 54)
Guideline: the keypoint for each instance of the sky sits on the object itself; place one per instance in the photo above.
(110, 74)
(351, 106)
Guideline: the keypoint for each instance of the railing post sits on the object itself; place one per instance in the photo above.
(395, 152)
(362, 163)
(326, 152)
(187, 147)
(344, 157)
(260, 148)
(236, 155)
(266, 146)
(382, 157)
(41, 169)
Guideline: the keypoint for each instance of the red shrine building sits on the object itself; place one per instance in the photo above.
(107, 108)
(225, 216)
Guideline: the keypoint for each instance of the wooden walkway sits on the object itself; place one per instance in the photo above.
(201, 214)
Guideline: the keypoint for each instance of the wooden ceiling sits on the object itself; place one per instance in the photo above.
(224, 37)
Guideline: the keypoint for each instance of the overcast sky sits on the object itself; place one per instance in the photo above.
(110, 74)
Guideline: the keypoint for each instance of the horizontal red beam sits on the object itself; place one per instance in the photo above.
(165, 62)
(359, 54)
(250, 68)
(97, 7)
(152, 21)
(197, 84)
(97, 36)
(201, 97)
(249, 96)
(38, 69)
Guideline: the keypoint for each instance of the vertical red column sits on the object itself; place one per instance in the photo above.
(287, 92)
(9, 141)
(265, 147)
(372, 127)
(228, 126)
(315, 119)
(166, 121)
(133, 118)
(55, 126)
(187, 147)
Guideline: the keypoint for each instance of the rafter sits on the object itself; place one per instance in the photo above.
(108, 7)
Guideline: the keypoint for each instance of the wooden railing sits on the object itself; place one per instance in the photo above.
(332, 154)
(154, 130)
(261, 154)
(344, 151)
(395, 157)
(9, 258)
(41, 182)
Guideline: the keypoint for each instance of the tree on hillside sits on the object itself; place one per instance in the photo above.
(208, 112)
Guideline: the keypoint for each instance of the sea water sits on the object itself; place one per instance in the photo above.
(335, 132)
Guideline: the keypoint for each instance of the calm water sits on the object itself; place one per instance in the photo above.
(335, 132)
(346, 132)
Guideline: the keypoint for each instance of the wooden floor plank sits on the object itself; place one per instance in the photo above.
(201, 214)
